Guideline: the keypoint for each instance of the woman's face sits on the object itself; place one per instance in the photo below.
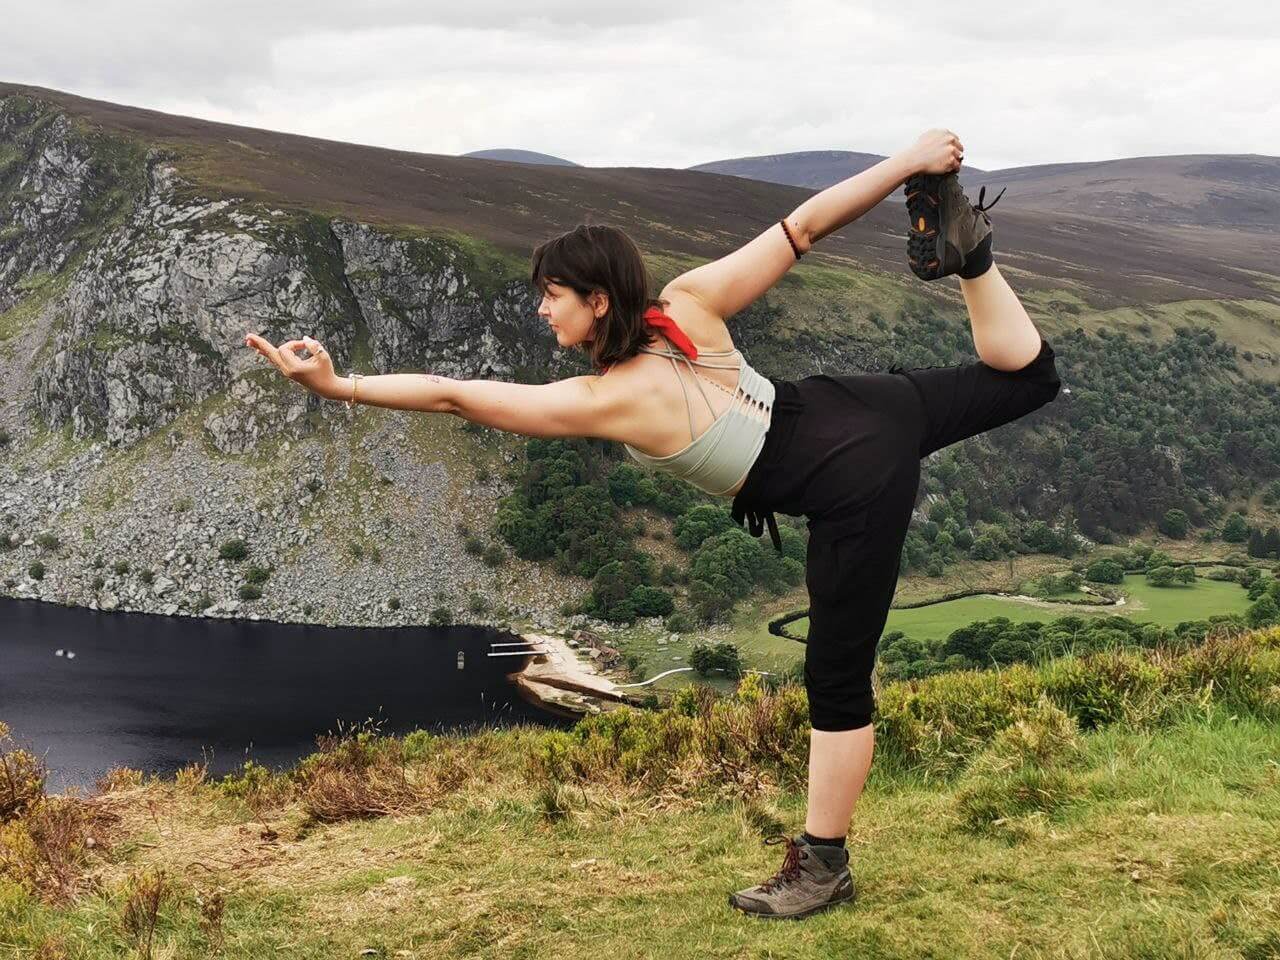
(570, 318)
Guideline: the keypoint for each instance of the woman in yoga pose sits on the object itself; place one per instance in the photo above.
(843, 451)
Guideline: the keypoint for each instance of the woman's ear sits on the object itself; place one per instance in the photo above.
(598, 299)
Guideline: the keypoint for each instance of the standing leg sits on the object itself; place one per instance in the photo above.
(838, 765)
(851, 581)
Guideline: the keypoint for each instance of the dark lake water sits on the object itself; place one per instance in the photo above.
(155, 693)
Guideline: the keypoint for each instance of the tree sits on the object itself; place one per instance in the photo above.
(651, 601)
(612, 588)
(717, 656)
(986, 548)
(624, 485)
(1104, 571)
(1263, 613)
(1174, 524)
(1257, 543)
(1271, 543)
(700, 522)
(1235, 529)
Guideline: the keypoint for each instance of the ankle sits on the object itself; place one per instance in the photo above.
(980, 260)
(822, 841)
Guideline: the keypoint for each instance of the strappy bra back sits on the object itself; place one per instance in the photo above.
(720, 457)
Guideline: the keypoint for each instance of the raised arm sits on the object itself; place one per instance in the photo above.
(731, 283)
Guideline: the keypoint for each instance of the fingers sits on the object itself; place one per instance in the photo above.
(284, 357)
(318, 352)
(264, 347)
(289, 360)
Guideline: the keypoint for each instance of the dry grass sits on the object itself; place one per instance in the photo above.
(488, 846)
(22, 776)
(47, 849)
(144, 894)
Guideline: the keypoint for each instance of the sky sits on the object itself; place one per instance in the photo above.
(672, 83)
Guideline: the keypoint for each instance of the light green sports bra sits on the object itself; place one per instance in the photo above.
(722, 455)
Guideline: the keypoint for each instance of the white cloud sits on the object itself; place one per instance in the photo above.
(643, 84)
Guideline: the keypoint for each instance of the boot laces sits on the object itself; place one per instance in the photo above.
(982, 194)
(790, 863)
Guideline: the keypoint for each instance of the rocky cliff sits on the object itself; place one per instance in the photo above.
(125, 294)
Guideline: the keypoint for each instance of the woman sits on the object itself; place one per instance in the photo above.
(844, 451)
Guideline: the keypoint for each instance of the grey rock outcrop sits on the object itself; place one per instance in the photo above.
(154, 319)
(425, 310)
(134, 289)
(51, 171)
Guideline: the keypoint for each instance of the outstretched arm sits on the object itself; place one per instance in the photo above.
(574, 407)
(731, 283)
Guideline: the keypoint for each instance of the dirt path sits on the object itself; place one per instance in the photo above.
(1123, 605)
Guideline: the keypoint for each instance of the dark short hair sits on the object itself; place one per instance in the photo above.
(593, 257)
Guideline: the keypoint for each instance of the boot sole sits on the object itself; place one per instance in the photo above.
(926, 239)
(853, 893)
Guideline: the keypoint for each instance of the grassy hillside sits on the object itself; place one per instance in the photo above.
(1118, 805)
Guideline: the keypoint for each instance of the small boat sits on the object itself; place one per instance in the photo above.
(58, 652)
(70, 654)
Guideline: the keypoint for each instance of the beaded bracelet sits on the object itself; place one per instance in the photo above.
(787, 231)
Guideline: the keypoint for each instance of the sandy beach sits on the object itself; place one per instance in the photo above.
(563, 678)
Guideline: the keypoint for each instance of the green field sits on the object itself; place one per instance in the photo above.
(761, 650)
(1166, 606)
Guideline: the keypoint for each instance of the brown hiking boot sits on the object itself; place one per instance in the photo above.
(812, 878)
(948, 233)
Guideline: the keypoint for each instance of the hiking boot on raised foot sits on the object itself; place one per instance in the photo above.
(948, 233)
(812, 878)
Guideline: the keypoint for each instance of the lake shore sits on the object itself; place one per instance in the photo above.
(560, 678)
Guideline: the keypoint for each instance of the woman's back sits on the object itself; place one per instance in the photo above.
(701, 418)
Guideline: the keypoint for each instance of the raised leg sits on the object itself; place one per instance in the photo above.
(1003, 334)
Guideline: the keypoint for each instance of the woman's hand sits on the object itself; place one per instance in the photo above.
(938, 151)
(315, 372)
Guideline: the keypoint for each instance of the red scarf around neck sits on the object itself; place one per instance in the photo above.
(653, 317)
(656, 319)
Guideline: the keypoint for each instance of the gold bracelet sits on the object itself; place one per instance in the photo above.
(355, 377)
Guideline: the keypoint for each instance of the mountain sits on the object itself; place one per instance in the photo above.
(137, 248)
(1233, 191)
(1225, 191)
(520, 156)
(813, 169)
(678, 213)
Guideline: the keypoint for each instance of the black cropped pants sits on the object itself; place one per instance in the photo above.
(845, 451)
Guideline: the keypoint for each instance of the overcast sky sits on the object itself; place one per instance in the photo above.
(651, 84)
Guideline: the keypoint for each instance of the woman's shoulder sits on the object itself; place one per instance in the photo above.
(704, 327)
